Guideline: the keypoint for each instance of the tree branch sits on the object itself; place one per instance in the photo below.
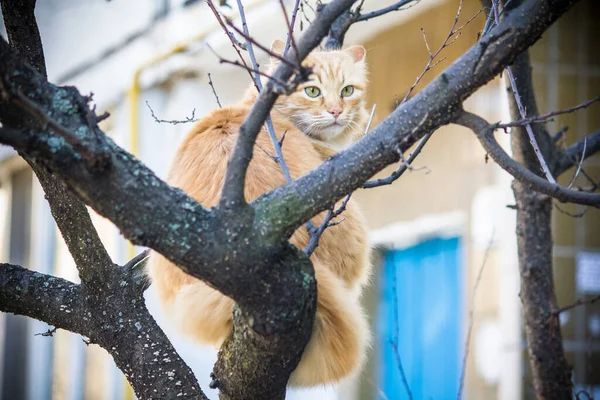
(545, 117)
(394, 7)
(117, 320)
(349, 169)
(71, 216)
(233, 188)
(484, 132)
(575, 152)
(53, 300)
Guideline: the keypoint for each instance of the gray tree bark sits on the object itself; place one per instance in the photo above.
(249, 241)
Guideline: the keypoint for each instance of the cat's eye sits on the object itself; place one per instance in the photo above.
(312, 91)
(347, 91)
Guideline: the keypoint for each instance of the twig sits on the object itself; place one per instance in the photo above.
(573, 153)
(231, 38)
(523, 112)
(484, 133)
(572, 215)
(578, 303)
(282, 86)
(581, 158)
(250, 41)
(173, 121)
(232, 194)
(532, 139)
(212, 86)
(137, 261)
(471, 317)
(315, 233)
(290, 38)
(270, 128)
(406, 162)
(370, 118)
(490, 22)
(546, 117)
(49, 333)
(447, 42)
(395, 340)
(394, 7)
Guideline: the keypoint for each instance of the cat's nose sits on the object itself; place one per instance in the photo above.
(335, 112)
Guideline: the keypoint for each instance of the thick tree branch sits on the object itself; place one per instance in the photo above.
(205, 243)
(178, 223)
(117, 320)
(549, 366)
(233, 188)
(150, 213)
(53, 300)
(70, 214)
(349, 169)
(485, 134)
(575, 152)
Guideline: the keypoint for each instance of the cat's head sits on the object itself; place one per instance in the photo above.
(331, 104)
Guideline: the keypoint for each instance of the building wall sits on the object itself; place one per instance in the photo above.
(566, 72)
(458, 178)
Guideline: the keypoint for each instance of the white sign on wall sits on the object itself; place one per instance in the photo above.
(588, 272)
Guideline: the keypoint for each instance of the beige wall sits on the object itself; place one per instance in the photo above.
(458, 170)
(566, 72)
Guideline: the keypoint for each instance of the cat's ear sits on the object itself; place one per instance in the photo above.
(278, 47)
(356, 52)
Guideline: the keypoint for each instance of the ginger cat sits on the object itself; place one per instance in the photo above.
(323, 116)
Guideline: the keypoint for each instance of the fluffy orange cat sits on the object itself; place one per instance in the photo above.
(323, 116)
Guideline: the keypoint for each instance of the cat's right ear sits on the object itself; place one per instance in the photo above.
(277, 48)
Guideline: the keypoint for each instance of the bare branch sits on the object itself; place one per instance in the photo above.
(290, 25)
(405, 165)
(572, 215)
(315, 233)
(250, 41)
(523, 112)
(128, 330)
(548, 116)
(71, 216)
(173, 121)
(95, 154)
(281, 86)
(233, 187)
(484, 132)
(212, 86)
(233, 40)
(290, 38)
(449, 40)
(581, 158)
(574, 152)
(578, 303)
(394, 7)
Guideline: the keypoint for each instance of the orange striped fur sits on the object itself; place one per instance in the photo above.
(340, 336)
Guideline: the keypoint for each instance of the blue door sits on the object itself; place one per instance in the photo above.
(421, 311)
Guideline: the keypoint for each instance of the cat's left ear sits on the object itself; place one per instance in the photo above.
(357, 53)
(278, 47)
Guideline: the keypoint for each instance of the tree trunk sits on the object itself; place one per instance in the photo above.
(551, 373)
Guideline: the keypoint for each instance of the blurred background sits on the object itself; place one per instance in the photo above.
(432, 229)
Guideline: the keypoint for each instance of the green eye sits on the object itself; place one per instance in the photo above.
(312, 91)
(347, 91)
